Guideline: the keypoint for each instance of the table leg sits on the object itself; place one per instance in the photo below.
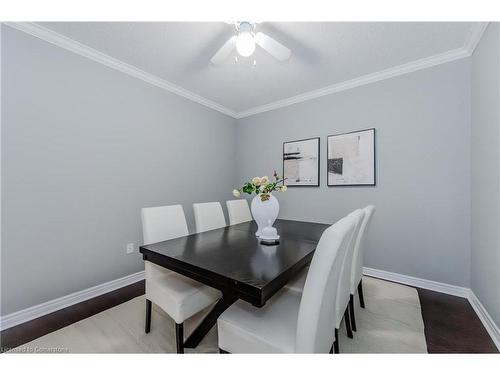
(209, 321)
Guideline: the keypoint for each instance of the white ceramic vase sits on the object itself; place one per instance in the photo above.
(264, 213)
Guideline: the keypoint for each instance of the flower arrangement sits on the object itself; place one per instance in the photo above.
(262, 186)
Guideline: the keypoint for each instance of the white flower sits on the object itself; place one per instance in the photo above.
(283, 188)
(256, 181)
(264, 180)
(236, 193)
(262, 188)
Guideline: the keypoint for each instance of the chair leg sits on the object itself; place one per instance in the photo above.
(351, 310)
(348, 323)
(360, 292)
(148, 316)
(336, 343)
(179, 337)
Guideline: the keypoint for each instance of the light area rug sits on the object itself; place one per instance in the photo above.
(390, 323)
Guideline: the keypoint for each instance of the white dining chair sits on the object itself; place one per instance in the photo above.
(238, 211)
(292, 322)
(208, 216)
(357, 262)
(344, 286)
(180, 297)
(343, 294)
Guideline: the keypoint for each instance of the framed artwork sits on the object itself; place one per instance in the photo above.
(301, 162)
(351, 159)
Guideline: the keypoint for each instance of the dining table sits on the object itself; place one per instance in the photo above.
(232, 260)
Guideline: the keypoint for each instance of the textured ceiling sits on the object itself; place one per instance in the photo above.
(323, 54)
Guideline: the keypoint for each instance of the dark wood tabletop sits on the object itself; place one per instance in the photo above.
(233, 260)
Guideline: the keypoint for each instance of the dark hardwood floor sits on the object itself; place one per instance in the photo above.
(26, 332)
(451, 325)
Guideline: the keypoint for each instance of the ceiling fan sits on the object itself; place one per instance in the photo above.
(244, 41)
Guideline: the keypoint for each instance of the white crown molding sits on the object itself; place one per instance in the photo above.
(45, 308)
(475, 36)
(417, 282)
(399, 70)
(413, 66)
(92, 54)
(486, 319)
(83, 50)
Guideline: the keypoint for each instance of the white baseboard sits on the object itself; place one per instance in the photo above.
(486, 319)
(454, 290)
(417, 282)
(45, 308)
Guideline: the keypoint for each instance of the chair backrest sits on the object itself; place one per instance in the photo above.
(357, 261)
(315, 333)
(344, 285)
(208, 216)
(163, 223)
(238, 211)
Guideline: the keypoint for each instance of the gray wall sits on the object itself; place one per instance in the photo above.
(84, 147)
(422, 224)
(485, 182)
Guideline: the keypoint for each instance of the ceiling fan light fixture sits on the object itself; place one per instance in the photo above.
(245, 43)
(245, 39)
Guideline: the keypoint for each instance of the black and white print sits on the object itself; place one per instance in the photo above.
(301, 162)
(351, 159)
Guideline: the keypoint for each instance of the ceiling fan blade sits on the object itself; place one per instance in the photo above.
(224, 51)
(271, 46)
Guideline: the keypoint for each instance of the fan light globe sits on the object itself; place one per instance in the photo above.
(245, 44)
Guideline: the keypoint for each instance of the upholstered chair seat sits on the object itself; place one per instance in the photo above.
(271, 329)
(179, 296)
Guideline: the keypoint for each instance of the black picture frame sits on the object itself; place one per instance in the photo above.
(374, 159)
(287, 183)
